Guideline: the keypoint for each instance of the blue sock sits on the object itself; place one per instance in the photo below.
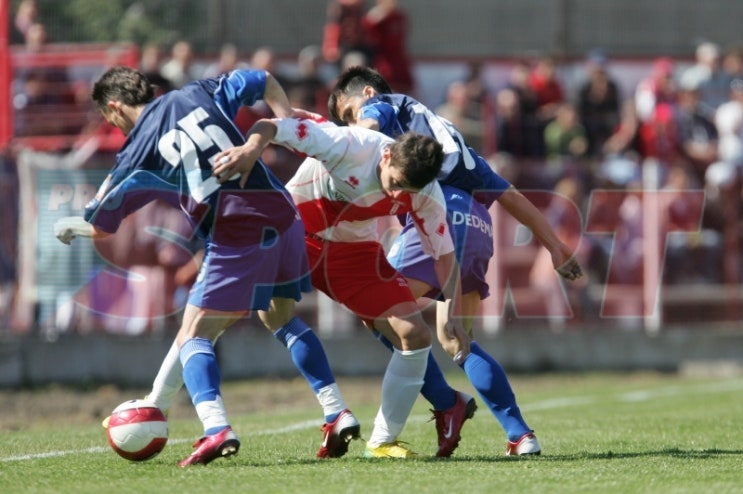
(489, 379)
(200, 372)
(307, 354)
(435, 388)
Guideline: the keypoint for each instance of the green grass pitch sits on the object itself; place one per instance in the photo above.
(600, 433)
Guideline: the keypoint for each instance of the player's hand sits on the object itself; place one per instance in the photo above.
(64, 235)
(455, 340)
(564, 261)
(66, 229)
(307, 115)
(570, 269)
(235, 162)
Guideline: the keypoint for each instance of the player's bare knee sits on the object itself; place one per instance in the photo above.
(413, 336)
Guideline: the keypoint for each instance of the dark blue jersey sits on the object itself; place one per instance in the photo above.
(462, 167)
(169, 154)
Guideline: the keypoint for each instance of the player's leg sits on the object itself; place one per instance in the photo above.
(489, 379)
(450, 408)
(402, 380)
(215, 302)
(359, 276)
(168, 381)
(310, 359)
(435, 388)
(202, 379)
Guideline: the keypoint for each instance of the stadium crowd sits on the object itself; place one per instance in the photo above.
(568, 127)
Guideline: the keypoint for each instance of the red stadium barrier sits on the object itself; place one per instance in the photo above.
(5, 77)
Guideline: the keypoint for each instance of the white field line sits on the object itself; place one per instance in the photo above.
(633, 396)
(100, 449)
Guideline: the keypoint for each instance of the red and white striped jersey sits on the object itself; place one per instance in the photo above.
(338, 192)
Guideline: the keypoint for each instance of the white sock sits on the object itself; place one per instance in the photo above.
(169, 380)
(400, 387)
(331, 400)
(212, 413)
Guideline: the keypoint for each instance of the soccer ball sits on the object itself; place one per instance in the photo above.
(137, 430)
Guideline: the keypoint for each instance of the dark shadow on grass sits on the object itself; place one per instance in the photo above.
(608, 455)
(239, 462)
(668, 452)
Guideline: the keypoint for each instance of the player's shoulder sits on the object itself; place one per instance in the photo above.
(392, 99)
(368, 135)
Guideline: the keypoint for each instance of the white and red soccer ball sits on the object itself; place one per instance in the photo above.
(137, 430)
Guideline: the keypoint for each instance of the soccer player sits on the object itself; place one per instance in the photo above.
(362, 97)
(354, 176)
(255, 257)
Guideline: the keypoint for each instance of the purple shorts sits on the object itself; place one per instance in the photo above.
(235, 279)
(472, 230)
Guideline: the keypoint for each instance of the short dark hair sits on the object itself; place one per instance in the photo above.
(419, 157)
(124, 84)
(352, 82)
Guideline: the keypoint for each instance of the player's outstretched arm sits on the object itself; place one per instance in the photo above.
(452, 335)
(276, 99)
(527, 213)
(69, 227)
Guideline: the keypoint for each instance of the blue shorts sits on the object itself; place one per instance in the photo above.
(244, 278)
(472, 229)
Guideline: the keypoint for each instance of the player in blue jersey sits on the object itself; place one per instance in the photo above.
(362, 97)
(255, 258)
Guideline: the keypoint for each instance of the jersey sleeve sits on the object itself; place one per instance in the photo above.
(120, 195)
(326, 142)
(384, 113)
(240, 88)
(429, 217)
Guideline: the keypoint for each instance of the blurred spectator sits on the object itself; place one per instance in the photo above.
(229, 59)
(698, 144)
(723, 177)
(40, 89)
(629, 249)
(512, 132)
(547, 88)
(309, 90)
(655, 98)
(25, 17)
(179, 68)
(150, 64)
(657, 88)
(694, 257)
(565, 137)
(478, 95)
(264, 58)
(732, 62)
(456, 109)
(343, 32)
(598, 103)
(518, 81)
(697, 135)
(387, 27)
(531, 143)
(729, 124)
(353, 59)
(611, 180)
(707, 75)
(624, 137)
